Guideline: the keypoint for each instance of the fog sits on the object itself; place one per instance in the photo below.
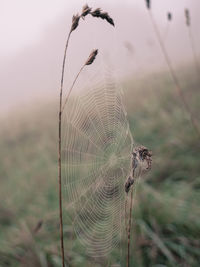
(33, 35)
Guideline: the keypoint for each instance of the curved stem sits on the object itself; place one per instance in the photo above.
(173, 75)
(193, 50)
(63, 69)
(67, 97)
(59, 152)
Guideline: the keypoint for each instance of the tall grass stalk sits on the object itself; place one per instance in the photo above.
(193, 50)
(140, 155)
(188, 24)
(129, 230)
(59, 151)
(173, 74)
(75, 22)
(169, 19)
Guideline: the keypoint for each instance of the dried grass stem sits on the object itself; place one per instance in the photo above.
(59, 151)
(174, 77)
(129, 230)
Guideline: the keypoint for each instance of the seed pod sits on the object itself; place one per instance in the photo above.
(91, 57)
(148, 3)
(103, 15)
(128, 184)
(75, 21)
(96, 12)
(85, 11)
(169, 16)
(187, 16)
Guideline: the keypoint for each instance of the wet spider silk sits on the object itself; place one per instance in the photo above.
(97, 146)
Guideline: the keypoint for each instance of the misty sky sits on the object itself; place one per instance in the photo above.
(24, 21)
(33, 32)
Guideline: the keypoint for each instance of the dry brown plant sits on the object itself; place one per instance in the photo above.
(192, 43)
(86, 10)
(141, 163)
(172, 72)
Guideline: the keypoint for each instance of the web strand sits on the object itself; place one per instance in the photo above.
(97, 152)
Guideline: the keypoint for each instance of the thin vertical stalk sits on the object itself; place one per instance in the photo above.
(59, 153)
(173, 75)
(67, 97)
(89, 61)
(75, 22)
(129, 230)
(126, 218)
(193, 50)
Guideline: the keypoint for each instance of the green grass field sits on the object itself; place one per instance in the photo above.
(166, 215)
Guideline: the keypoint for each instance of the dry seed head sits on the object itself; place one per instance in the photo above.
(148, 3)
(96, 12)
(75, 21)
(91, 57)
(144, 154)
(187, 16)
(103, 15)
(85, 11)
(169, 16)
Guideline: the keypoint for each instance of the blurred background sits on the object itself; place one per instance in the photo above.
(166, 219)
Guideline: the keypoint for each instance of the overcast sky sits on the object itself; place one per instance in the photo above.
(24, 21)
(33, 33)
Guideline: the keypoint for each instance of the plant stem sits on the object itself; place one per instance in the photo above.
(59, 153)
(129, 230)
(67, 97)
(173, 75)
(193, 50)
(61, 108)
(126, 219)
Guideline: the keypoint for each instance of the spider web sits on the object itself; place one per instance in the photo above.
(96, 148)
